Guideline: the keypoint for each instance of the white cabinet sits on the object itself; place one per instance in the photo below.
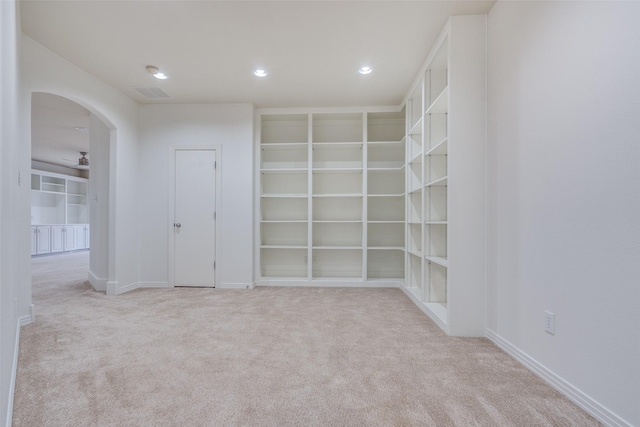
(445, 178)
(328, 180)
(34, 240)
(40, 240)
(69, 238)
(58, 199)
(81, 239)
(57, 238)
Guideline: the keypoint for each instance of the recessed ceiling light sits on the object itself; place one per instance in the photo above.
(82, 129)
(156, 72)
(365, 70)
(260, 73)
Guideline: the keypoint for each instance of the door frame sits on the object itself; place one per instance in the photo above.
(171, 207)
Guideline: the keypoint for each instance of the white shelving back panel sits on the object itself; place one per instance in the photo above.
(338, 182)
(337, 234)
(337, 208)
(284, 156)
(339, 127)
(414, 235)
(284, 183)
(436, 277)
(385, 155)
(387, 208)
(385, 126)
(284, 234)
(414, 279)
(283, 209)
(385, 264)
(284, 263)
(284, 128)
(337, 263)
(436, 237)
(385, 235)
(435, 168)
(337, 156)
(385, 182)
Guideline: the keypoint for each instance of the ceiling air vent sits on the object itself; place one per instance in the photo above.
(152, 92)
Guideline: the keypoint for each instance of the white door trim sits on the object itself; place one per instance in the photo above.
(171, 208)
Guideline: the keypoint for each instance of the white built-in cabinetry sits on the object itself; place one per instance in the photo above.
(445, 146)
(395, 197)
(59, 213)
(331, 191)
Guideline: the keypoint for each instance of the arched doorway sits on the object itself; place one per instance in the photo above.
(75, 194)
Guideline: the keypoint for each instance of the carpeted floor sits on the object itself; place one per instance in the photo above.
(263, 357)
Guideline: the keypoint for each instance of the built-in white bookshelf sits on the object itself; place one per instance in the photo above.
(332, 192)
(284, 211)
(59, 212)
(58, 199)
(445, 178)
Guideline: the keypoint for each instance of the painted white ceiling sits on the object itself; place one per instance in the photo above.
(54, 138)
(311, 49)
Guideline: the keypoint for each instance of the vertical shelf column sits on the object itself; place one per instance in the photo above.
(451, 132)
(283, 196)
(385, 196)
(415, 186)
(337, 142)
(436, 183)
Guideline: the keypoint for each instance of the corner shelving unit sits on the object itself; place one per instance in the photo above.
(445, 178)
(331, 198)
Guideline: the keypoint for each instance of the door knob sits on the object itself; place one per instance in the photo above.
(177, 225)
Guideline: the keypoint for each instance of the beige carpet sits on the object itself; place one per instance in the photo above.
(266, 357)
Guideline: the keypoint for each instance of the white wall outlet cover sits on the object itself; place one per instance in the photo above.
(550, 322)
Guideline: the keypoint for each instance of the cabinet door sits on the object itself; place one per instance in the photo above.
(44, 240)
(79, 237)
(87, 237)
(34, 240)
(69, 238)
(57, 238)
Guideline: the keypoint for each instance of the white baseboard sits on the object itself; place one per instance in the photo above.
(114, 288)
(29, 319)
(14, 369)
(236, 285)
(341, 283)
(127, 288)
(98, 283)
(574, 394)
(153, 285)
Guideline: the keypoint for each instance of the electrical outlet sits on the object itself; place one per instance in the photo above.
(550, 322)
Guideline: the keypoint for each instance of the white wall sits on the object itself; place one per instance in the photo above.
(43, 71)
(98, 202)
(166, 126)
(564, 186)
(12, 244)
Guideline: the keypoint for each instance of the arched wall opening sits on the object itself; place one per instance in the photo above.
(61, 127)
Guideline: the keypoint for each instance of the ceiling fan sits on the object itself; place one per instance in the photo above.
(83, 162)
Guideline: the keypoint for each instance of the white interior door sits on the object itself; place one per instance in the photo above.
(194, 218)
